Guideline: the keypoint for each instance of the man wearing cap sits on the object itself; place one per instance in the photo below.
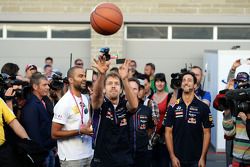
(29, 70)
(235, 126)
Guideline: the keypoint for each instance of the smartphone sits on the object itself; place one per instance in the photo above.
(120, 61)
(89, 75)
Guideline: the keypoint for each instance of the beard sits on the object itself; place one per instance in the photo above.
(187, 90)
(80, 88)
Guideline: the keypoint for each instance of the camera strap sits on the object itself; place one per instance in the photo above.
(81, 104)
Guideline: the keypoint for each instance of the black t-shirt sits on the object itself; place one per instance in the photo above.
(141, 121)
(188, 123)
(112, 147)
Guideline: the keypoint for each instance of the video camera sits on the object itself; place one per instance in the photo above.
(7, 81)
(176, 79)
(237, 100)
(57, 81)
(105, 52)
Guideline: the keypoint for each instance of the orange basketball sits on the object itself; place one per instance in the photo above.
(106, 19)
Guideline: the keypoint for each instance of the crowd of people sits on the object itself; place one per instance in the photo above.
(122, 118)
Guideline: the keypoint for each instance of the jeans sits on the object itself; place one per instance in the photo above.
(50, 160)
(77, 163)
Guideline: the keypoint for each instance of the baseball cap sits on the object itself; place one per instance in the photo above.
(242, 76)
(30, 67)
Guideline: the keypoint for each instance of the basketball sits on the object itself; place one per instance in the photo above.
(106, 18)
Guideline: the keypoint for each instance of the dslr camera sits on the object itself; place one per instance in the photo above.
(7, 81)
(105, 52)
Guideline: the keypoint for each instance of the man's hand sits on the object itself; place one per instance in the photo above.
(123, 70)
(87, 129)
(101, 64)
(202, 163)
(175, 162)
(236, 64)
(10, 92)
(243, 116)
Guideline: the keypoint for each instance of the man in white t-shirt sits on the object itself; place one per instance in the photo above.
(71, 124)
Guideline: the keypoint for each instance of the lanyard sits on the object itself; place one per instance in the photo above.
(82, 105)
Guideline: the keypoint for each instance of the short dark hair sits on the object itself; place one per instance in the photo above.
(189, 73)
(145, 77)
(10, 68)
(136, 81)
(160, 77)
(46, 66)
(113, 75)
(76, 60)
(49, 58)
(151, 65)
(133, 62)
(71, 71)
(36, 78)
(114, 69)
(193, 67)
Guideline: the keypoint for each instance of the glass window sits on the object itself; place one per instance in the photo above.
(192, 33)
(233, 32)
(26, 34)
(70, 34)
(26, 31)
(149, 32)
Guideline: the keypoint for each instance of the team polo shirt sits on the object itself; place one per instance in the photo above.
(141, 122)
(7, 115)
(112, 145)
(187, 123)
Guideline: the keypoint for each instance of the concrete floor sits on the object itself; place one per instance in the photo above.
(215, 159)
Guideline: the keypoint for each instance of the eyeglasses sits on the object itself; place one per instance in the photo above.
(79, 64)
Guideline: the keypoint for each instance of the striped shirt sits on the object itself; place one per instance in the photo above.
(241, 146)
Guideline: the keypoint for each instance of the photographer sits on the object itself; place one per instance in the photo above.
(235, 118)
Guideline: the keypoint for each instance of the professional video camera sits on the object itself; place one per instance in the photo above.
(176, 79)
(7, 81)
(57, 81)
(237, 100)
(105, 52)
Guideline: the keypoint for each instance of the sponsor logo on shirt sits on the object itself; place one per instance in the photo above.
(75, 109)
(109, 115)
(192, 120)
(123, 122)
(58, 116)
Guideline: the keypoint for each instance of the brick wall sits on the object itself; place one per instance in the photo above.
(146, 7)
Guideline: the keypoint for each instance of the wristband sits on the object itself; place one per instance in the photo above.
(8, 97)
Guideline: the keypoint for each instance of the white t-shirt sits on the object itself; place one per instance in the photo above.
(67, 113)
